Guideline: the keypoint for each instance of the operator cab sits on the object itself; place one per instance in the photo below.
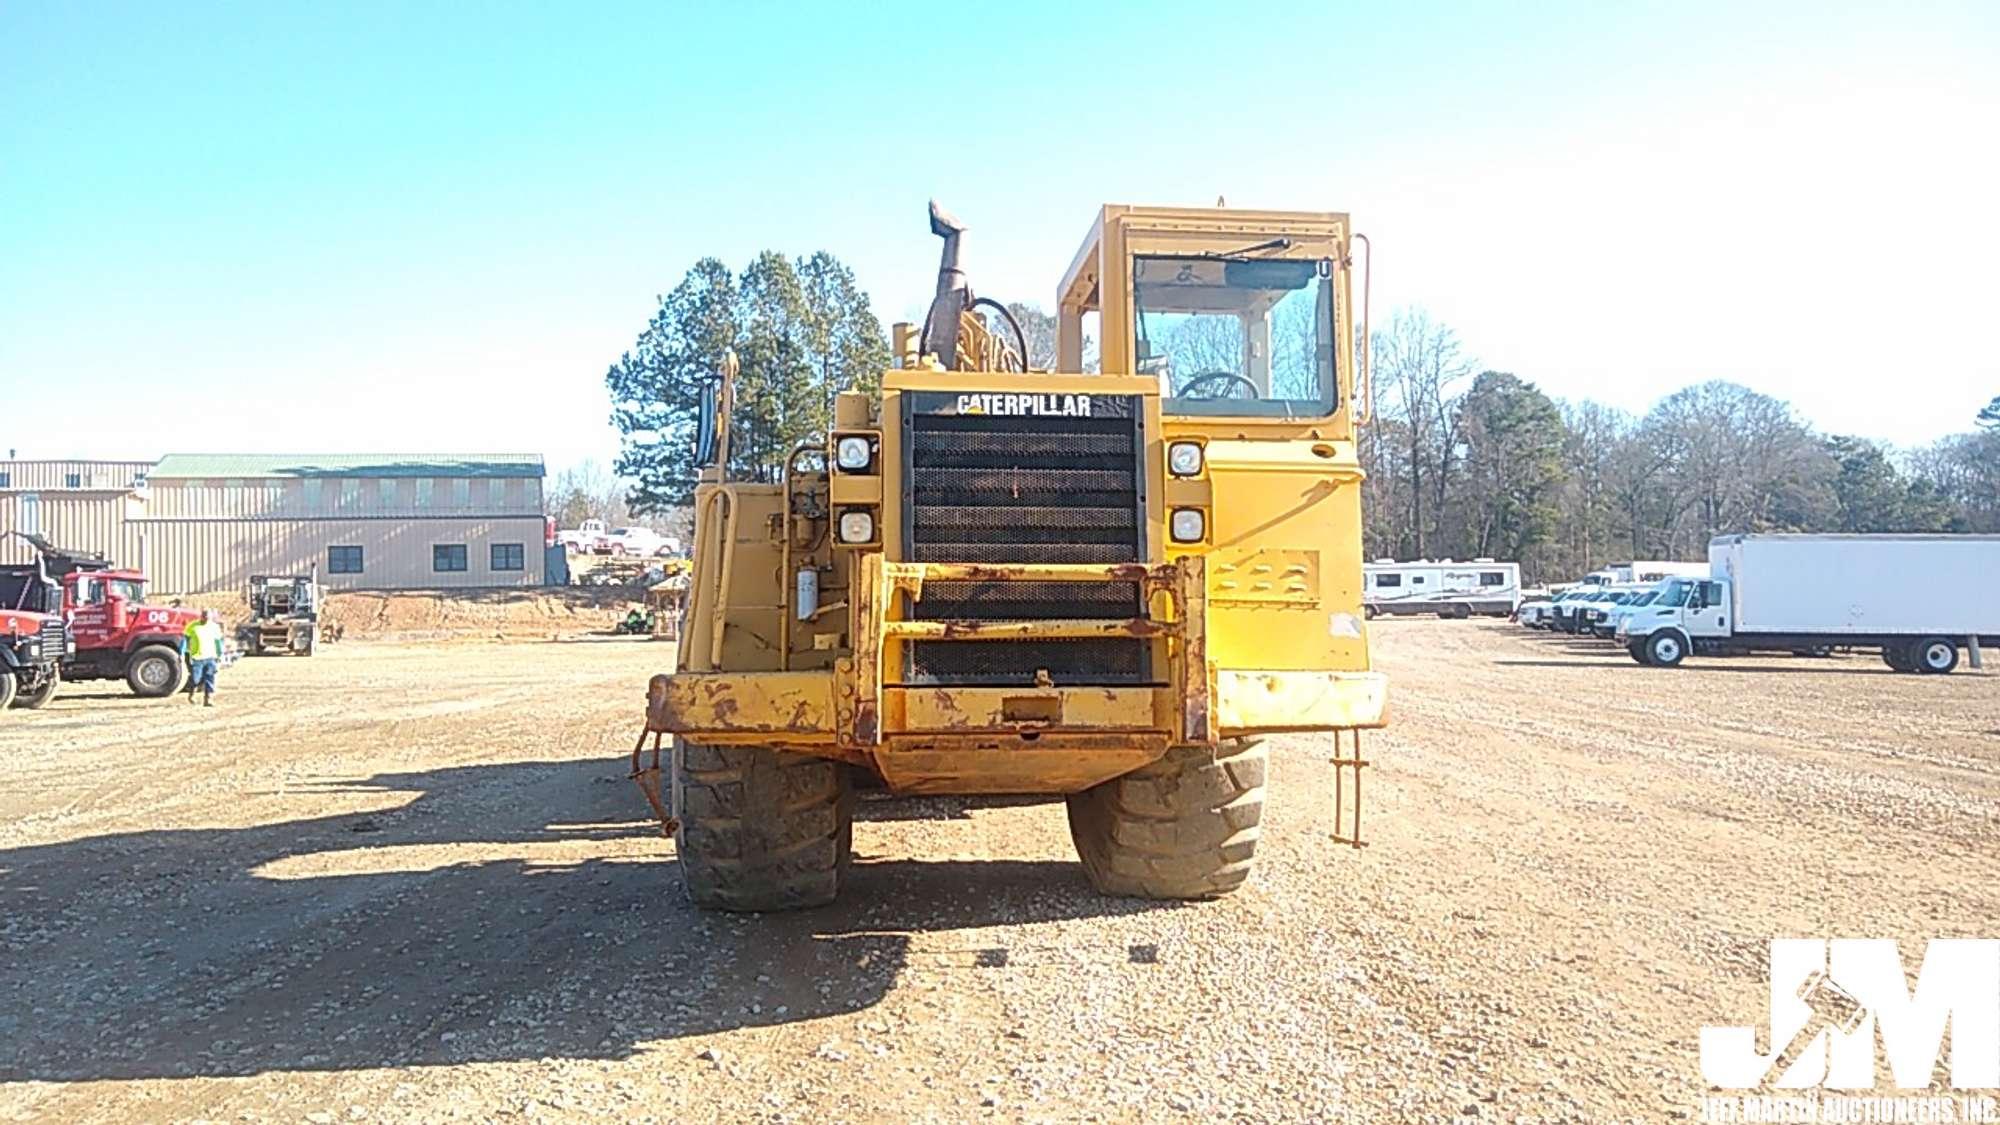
(1236, 313)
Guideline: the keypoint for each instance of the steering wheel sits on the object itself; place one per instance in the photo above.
(1224, 382)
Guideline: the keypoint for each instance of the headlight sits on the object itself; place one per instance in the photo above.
(1184, 458)
(1186, 525)
(852, 453)
(857, 526)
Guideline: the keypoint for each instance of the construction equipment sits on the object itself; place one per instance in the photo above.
(33, 639)
(114, 633)
(991, 580)
(284, 615)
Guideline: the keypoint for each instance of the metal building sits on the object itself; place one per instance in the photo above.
(202, 522)
(87, 504)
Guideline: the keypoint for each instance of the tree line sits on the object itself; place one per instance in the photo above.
(1465, 463)
(1461, 462)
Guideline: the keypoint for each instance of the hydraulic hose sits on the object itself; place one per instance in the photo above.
(1020, 337)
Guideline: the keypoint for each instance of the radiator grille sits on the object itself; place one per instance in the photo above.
(1025, 488)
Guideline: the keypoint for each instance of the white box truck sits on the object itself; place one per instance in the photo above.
(1918, 598)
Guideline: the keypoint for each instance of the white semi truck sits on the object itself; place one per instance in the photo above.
(1920, 599)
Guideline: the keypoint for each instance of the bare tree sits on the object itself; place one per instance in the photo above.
(1418, 370)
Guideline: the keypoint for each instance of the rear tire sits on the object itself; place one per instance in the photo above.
(31, 700)
(1896, 657)
(760, 829)
(1183, 827)
(9, 687)
(155, 671)
(1933, 656)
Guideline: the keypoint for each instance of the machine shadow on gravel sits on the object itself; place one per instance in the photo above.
(176, 953)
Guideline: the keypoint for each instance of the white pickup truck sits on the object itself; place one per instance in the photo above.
(641, 541)
(1915, 597)
(588, 538)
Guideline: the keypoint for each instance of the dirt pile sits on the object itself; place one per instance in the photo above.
(439, 615)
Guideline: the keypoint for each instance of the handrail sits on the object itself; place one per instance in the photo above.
(1366, 392)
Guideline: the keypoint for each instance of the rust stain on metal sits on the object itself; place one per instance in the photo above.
(1196, 719)
(648, 777)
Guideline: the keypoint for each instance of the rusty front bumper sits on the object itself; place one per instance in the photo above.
(1031, 739)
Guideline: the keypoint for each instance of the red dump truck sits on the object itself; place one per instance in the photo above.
(114, 632)
(33, 640)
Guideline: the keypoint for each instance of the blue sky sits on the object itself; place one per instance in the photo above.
(431, 227)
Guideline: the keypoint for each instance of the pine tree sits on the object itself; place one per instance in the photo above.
(802, 331)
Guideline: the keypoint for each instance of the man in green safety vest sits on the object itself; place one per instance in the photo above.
(201, 644)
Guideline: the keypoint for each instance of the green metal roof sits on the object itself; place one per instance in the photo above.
(240, 465)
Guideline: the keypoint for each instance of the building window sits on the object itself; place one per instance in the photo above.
(350, 494)
(1386, 581)
(424, 485)
(496, 492)
(387, 487)
(343, 560)
(312, 487)
(509, 556)
(447, 557)
(6, 480)
(72, 480)
(1492, 578)
(461, 493)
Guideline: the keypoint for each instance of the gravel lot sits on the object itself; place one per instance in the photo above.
(411, 882)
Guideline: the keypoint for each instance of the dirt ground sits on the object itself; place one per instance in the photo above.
(410, 882)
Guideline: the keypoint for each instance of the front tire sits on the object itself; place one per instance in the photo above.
(1183, 827)
(155, 671)
(1638, 650)
(1665, 649)
(760, 829)
(34, 698)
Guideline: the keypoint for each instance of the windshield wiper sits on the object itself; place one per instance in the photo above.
(1242, 253)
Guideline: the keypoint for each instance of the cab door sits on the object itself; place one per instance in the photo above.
(89, 611)
(1707, 611)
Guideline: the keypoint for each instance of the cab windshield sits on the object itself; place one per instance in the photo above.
(1237, 334)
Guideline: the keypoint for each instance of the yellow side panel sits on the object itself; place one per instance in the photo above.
(1261, 701)
(1284, 559)
(719, 706)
